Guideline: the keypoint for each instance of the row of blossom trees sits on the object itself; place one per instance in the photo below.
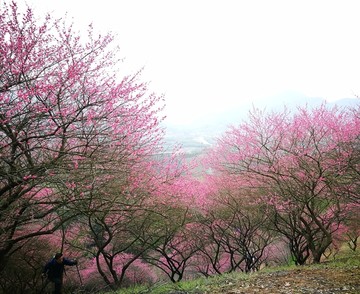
(83, 170)
(304, 167)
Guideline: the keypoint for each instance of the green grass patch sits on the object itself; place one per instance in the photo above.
(195, 286)
(221, 283)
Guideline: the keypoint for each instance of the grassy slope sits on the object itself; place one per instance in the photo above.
(339, 275)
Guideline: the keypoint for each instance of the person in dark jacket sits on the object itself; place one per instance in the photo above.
(54, 270)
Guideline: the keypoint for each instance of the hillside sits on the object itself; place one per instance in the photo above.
(324, 280)
(341, 275)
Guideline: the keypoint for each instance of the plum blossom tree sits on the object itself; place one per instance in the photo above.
(288, 225)
(238, 225)
(351, 227)
(175, 247)
(300, 162)
(67, 121)
(211, 258)
(120, 217)
(248, 236)
(352, 181)
(112, 234)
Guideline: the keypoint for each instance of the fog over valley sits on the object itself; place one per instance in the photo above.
(202, 132)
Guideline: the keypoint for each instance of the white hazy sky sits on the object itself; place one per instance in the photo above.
(210, 55)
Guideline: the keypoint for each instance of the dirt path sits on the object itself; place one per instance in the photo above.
(302, 280)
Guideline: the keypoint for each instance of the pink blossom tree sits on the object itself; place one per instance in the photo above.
(237, 226)
(121, 216)
(175, 246)
(211, 258)
(352, 182)
(299, 162)
(351, 227)
(68, 124)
